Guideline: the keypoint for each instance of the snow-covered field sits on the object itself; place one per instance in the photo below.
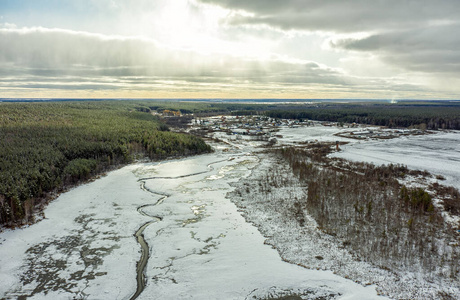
(317, 132)
(437, 153)
(202, 248)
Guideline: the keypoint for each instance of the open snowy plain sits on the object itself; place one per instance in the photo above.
(437, 153)
(197, 245)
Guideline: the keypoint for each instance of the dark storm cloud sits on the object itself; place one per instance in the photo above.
(339, 15)
(428, 49)
(416, 36)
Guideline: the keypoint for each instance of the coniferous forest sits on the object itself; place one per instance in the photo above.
(46, 147)
(443, 115)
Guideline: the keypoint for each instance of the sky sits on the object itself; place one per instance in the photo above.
(302, 49)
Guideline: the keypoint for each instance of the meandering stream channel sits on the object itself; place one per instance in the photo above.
(140, 274)
(194, 243)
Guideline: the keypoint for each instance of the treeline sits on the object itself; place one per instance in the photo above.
(202, 109)
(376, 218)
(404, 115)
(45, 147)
(424, 115)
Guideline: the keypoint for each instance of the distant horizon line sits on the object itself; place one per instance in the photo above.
(28, 99)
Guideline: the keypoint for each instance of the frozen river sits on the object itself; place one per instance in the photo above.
(437, 153)
(192, 238)
(198, 246)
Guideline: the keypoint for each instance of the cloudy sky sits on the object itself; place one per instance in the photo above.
(382, 49)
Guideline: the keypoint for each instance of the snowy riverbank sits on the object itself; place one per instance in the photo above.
(201, 249)
(437, 153)
(268, 199)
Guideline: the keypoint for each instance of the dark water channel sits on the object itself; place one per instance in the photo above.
(139, 234)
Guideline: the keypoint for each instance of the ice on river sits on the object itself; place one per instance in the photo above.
(317, 132)
(437, 153)
(201, 249)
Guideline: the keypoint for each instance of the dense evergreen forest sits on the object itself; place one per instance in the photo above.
(205, 109)
(420, 114)
(45, 147)
(424, 116)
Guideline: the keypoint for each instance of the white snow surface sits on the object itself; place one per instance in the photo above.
(202, 248)
(437, 153)
(317, 132)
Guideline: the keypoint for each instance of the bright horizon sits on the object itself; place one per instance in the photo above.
(229, 49)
